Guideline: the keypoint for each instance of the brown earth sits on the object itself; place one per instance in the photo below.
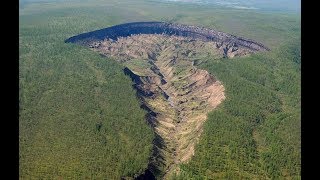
(175, 92)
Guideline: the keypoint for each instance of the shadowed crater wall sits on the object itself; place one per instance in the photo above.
(194, 32)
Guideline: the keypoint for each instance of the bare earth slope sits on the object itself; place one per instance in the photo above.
(176, 94)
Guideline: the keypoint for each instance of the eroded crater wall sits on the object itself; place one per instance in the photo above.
(160, 58)
(194, 32)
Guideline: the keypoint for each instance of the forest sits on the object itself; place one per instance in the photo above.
(255, 134)
(80, 118)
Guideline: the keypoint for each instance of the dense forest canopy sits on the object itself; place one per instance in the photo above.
(79, 116)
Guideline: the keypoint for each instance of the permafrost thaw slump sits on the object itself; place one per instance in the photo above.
(160, 58)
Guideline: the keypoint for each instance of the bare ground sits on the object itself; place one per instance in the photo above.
(177, 94)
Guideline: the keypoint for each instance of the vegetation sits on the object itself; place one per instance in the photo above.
(79, 117)
(256, 132)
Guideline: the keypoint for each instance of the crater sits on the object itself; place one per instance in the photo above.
(161, 59)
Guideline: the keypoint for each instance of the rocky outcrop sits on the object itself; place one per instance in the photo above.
(161, 59)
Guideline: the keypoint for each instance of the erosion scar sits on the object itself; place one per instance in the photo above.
(161, 58)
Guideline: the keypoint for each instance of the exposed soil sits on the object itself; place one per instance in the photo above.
(176, 94)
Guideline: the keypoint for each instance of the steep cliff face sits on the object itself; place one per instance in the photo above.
(176, 94)
(227, 42)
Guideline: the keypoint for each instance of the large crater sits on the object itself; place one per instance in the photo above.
(161, 59)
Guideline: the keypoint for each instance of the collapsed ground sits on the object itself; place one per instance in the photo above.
(176, 94)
